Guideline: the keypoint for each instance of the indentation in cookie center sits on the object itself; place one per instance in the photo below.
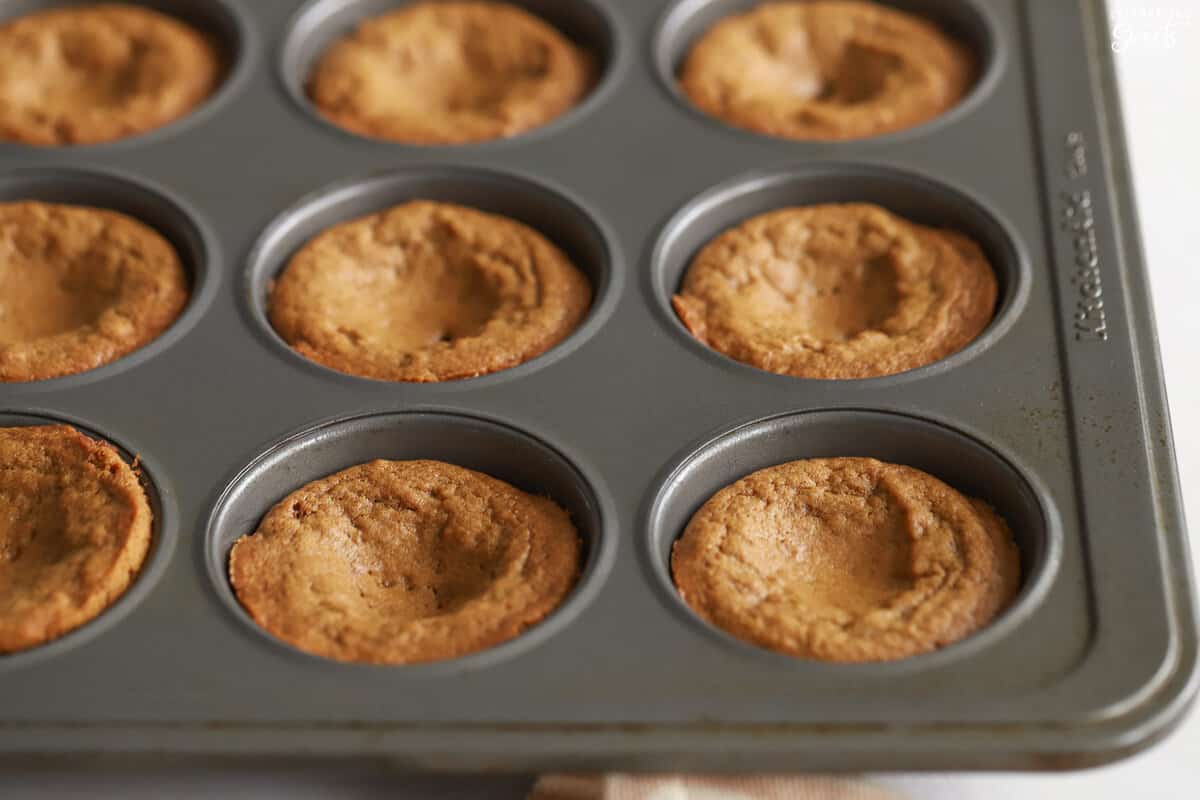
(860, 75)
(837, 301)
(431, 302)
(37, 301)
(32, 531)
(441, 570)
(848, 75)
(855, 556)
(473, 74)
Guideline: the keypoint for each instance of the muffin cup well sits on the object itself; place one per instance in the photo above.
(221, 20)
(163, 534)
(154, 206)
(964, 463)
(968, 21)
(557, 217)
(912, 196)
(320, 23)
(476, 443)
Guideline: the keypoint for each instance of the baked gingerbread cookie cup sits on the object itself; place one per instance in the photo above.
(826, 70)
(401, 562)
(837, 291)
(453, 72)
(847, 560)
(101, 72)
(75, 530)
(81, 287)
(427, 291)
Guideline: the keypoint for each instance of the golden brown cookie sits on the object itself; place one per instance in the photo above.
(396, 562)
(846, 559)
(88, 74)
(826, 69)
(75, 527)
(427, 292)
(837, 291)
(449, 73)
(80, 287)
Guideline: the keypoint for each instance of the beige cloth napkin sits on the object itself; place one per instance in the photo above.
(700, 787)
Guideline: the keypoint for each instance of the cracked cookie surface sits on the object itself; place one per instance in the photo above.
(427, 291)
(826, 69)
(75, 527)
(397, 562)
(80, 287)
(90, 74)
(846, 559)
(837, 291)
(449, 73)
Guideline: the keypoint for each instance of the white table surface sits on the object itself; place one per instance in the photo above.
(1159, 71)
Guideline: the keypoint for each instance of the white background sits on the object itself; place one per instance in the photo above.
(1160, 76)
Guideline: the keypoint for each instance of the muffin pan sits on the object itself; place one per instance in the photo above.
(1055, 415)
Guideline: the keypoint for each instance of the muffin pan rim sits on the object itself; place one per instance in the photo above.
(611, 74)
(1035, 584)
(262, 265)
(236, 74)
(204, 268)
(164, 535)
(994, 62)
(1012, 297)
(598, 546)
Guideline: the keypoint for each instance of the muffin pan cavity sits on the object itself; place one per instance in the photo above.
(968, 21)
(1054, 414)
(555, 216)
(914, 197)
(320, 23)
(220, 20)
(152, 206)
(473, 442)
(955, 458)
(164, 533)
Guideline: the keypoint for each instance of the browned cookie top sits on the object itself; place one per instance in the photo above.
(846, 559)
(80, 287)
(427, 292)
(81, 75)
(74, 530)
(449, 73)
(837, 291)
(826, 69)
(396, 562)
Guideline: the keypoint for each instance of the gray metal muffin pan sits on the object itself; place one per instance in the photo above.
(1055, 415)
